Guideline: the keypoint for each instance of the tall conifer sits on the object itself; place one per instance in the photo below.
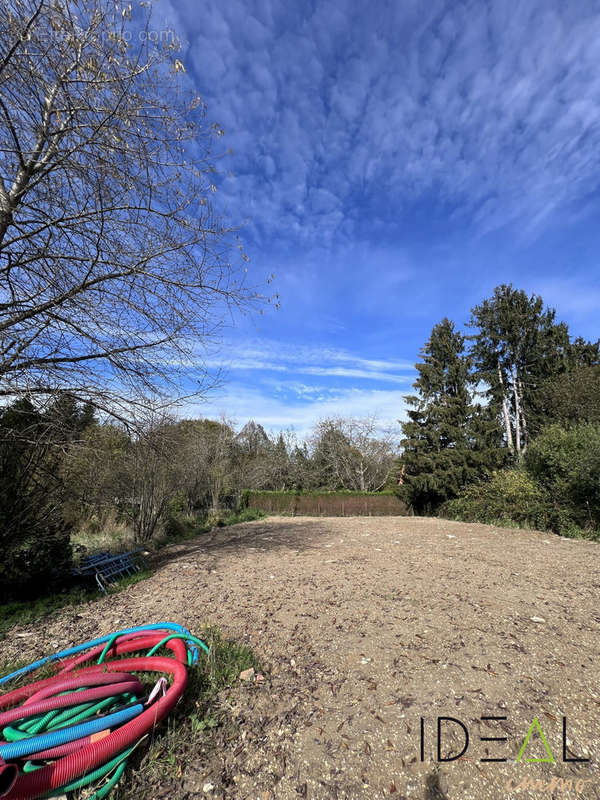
(449, 439)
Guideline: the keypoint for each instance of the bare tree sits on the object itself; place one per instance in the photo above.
(154, 473)
(208, 458)
(266, 460)
(352, 454)
(97, 473)
(113, 268)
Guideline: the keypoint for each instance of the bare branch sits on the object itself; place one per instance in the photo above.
(113, 266)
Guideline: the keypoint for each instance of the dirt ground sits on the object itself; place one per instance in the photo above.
(364, 626)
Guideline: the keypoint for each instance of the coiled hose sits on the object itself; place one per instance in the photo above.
(79, 726)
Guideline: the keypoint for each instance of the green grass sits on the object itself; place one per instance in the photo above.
(25, 612)
(186, 527)
(43, 672)
(245, 515)
(317, 493)
(575, 532)
(568, 532)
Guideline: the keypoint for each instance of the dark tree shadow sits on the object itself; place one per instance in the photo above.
(262, 536)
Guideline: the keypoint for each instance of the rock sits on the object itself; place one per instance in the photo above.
(538, 619)
(260, 677)
(247, 674)
(208, 787)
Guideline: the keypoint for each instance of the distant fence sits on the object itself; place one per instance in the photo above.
(327, 504)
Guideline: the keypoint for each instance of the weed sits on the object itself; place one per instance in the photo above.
(109, 534)
(245, 515)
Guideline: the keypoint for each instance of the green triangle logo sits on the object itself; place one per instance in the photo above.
(535, 725)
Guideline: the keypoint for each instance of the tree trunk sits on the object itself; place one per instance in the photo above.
(523, 418)
(517, 403)
(505, 414)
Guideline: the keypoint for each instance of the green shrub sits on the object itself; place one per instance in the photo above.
(566, 463)
(510, 496)
(215, 518)
(245, 515)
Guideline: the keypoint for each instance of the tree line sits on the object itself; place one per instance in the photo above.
(504, 422)
(504, 425)
(65, 470)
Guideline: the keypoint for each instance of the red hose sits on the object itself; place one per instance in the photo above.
(129, 643)
(52, 703)
(69, 747)
(125, 645)
(91, 755)
(60, 684)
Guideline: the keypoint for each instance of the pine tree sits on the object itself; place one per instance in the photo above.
(449, 440)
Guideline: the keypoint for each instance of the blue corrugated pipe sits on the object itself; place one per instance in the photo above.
(47, 740)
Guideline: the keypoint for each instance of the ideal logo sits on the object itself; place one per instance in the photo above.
(444, 722)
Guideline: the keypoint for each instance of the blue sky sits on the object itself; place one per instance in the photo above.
(392, 163)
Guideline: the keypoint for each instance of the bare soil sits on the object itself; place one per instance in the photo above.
(366, 625)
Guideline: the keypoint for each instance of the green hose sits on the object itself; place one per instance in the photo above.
(187, 637)
(120, 762)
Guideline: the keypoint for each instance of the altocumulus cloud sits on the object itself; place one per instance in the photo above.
(341, 114)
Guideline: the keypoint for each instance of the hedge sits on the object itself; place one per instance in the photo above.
(326, 504)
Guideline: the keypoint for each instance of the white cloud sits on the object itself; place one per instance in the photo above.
(241, 403)
(573, 296)
(266, 381)
(272, 356)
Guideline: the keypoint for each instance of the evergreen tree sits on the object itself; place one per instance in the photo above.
(68, 417)
(572, 397)
(584, 354)
(449, 440)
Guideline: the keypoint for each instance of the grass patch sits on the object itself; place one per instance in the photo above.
(26, 612)
(245, 515)
(570, 531)
(191, 732)
(575, 532)
(47, 671)
(184, 527)
(108, 534)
